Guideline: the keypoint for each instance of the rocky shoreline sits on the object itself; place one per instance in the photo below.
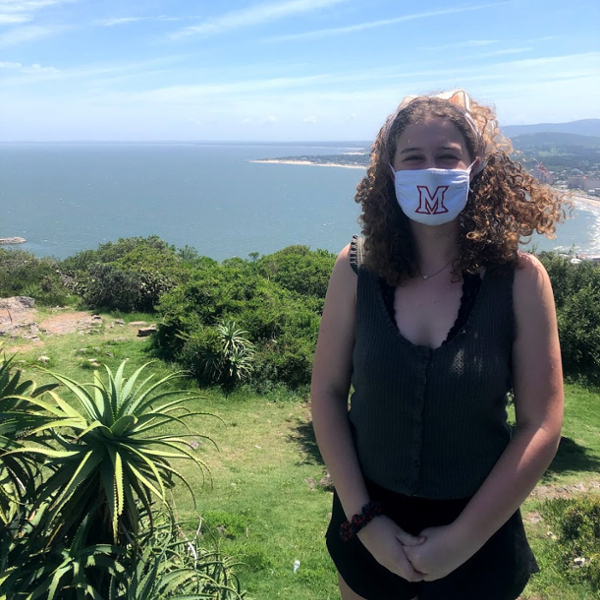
(12, 240)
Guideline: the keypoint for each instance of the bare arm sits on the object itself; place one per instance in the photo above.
(329, 402)
(539, 408)
(330, 386)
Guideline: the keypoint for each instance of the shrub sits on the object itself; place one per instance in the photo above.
(129, 275)
(22, 274)
(279, 324)
(298, 269)
(219, 355)
(577, 296)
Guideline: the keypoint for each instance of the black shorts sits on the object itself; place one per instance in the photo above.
(498, 571)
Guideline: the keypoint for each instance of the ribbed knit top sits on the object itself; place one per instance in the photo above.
(431, 422)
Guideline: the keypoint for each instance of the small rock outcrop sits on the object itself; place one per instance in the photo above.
(146, 331)
(17, 316)
(12, 240)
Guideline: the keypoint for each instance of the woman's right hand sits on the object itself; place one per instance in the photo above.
(386, 541)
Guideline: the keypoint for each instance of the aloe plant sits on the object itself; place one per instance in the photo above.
(21, 415)
(29, 569)
(173, 566)
(116, 456)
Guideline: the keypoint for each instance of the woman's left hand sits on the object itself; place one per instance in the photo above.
(443, 551)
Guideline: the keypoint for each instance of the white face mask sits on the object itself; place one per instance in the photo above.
(432, 196)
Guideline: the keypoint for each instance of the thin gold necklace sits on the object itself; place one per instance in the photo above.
(437, 272)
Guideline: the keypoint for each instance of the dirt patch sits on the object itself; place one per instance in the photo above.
(549, 492)
(20, 319)
(70, 322)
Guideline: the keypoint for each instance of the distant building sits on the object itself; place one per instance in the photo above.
(581, 182)
(542, 174)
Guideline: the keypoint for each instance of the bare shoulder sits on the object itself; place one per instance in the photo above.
(529, 269)
(532, 291)
(343, 277)
(531, 276)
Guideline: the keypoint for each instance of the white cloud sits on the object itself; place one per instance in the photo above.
(319, 33)
(270, 119)
(126, 20)
(467, 44)
(10, 65)
(311, 119)
(27, 33)
(120, 21)
(8, 19)
(254, 15)
(37, 68)
(14, 11)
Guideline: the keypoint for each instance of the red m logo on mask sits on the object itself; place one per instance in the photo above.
(431, 204)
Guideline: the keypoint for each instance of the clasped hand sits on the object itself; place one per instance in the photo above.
(435, 553)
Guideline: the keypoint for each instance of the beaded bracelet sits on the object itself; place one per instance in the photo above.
(349, 529)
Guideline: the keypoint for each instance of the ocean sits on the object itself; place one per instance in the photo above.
(64, 198)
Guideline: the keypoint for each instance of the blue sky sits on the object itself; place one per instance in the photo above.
(284, 69)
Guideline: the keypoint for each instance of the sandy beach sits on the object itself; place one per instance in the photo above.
(310, 163)
(591, 201)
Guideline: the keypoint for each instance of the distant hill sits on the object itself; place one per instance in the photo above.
(588, 127)
(563, 140)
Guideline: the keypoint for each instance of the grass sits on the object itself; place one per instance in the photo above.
(265, 506)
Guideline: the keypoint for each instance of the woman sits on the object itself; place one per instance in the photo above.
(434, 317)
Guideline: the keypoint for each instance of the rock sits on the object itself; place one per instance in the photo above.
(310, 482)
(12, 240)
(93, 362)
(96, 318)
(533, 517)
(31, 338)
(146, 331)
(326, 482)
(82, 351)
(16, 312)
(119, 322)
(43, 359)
(137, 323)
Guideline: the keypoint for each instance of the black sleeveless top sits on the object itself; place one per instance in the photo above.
(470, 289)
(431, 422)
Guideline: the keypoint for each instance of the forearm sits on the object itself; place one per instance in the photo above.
(516, 473)
(332, 430)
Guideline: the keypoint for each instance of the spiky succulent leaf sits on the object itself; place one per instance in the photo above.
(116, 451)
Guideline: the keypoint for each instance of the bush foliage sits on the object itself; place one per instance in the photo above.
(276, 300)
(129, 275)
(22, 274)
(577, 295)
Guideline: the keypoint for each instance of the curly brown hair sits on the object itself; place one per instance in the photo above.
(505, 203)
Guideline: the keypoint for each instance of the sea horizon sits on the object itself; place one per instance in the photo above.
(67, 197)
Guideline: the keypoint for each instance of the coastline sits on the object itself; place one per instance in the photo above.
(310, 163)
(576, 198)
